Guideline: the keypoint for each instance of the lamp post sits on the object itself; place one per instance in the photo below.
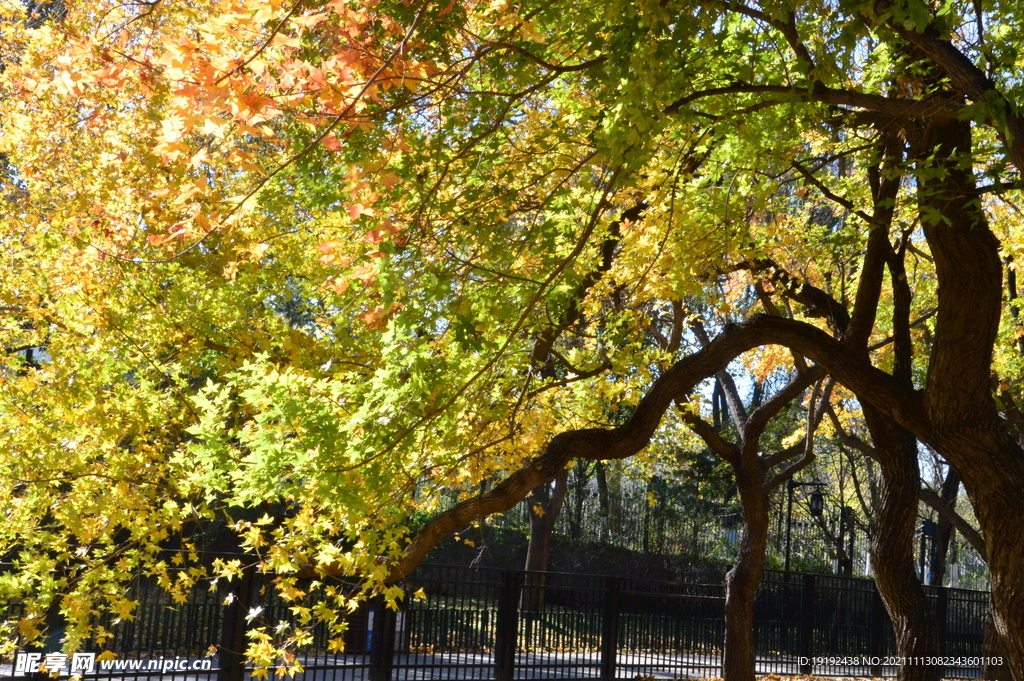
(817, 506)
(845, 533)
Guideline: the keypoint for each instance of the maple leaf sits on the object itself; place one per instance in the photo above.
(330, 141)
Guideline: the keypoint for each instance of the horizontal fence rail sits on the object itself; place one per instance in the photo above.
(501, 625)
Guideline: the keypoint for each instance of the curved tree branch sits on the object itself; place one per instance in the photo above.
(970, 81)
(868, 382)
(727, 450)
(893, 106)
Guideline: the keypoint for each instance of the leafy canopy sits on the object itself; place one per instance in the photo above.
(293, 263)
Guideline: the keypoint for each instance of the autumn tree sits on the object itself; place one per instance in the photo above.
(343, 256)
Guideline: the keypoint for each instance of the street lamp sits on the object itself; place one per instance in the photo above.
(817, 506)
(817, 503)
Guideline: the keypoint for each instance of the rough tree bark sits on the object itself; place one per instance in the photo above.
(962, 417)
(892, 552)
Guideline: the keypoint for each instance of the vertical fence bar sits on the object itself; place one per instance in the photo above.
(382, 642)
(507, 626)
(610, 628)
(942, 616)
(807, 605)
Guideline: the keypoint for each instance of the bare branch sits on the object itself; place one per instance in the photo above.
(727, 450)
(732, 393)
(820, 398)
(847, 438)
(557, 68)
(830, 195)
(965, 529)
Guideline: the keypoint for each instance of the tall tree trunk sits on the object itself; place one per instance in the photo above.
(892, 545)
(995, 491)
(892, 548)
(743, 580)
(964, 424)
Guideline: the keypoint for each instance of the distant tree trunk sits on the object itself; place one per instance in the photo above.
(844, 552)
(662, 519)
(580, 478)
(647, 517)
(602, 497)
(717, 405)
(944, 530)
(545, 505)
(614, 478)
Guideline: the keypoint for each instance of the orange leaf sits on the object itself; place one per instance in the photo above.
(355, 210)
(331, 142)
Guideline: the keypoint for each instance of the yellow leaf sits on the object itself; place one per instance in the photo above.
(285, 41)
(27, 627)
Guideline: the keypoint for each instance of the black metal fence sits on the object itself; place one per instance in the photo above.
(505, 625)
(548, 625)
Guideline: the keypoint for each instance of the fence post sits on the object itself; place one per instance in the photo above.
(232, 636)
(610, 628)
(506, 627)
(382, 641)
(876, 635)
(807, 618)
